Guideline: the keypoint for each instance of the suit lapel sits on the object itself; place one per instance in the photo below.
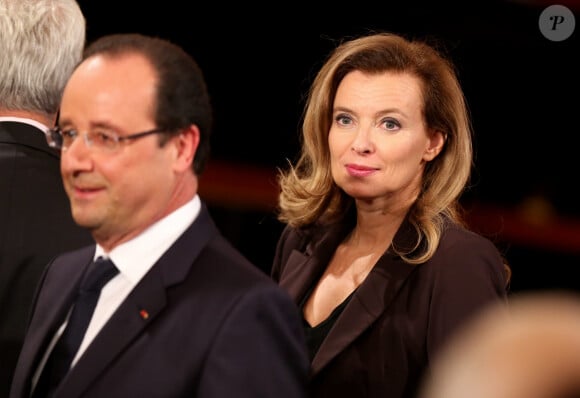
(125, 325)
(302, 273)
(370, 300)
(51, 307)
(304, 266)
(146, 302)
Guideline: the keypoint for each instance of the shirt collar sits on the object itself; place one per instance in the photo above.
(135, 257)
(31, 122)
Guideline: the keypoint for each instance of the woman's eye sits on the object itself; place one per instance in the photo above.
(391, 124)
(343, 120)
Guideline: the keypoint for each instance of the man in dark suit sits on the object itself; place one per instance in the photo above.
(187, 315)
(40, 43)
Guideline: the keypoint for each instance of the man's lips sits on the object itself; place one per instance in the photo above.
(86, 191)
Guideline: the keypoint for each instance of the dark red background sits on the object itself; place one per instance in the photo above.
(522, 90)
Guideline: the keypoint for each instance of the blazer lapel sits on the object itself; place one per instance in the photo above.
(303, 268)
(302, 272)
(141, 307)
(51, 307)
(369, 301)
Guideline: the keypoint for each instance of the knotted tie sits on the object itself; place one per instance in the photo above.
(60, 359)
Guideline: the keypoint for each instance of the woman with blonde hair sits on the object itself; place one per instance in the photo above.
(375, 252)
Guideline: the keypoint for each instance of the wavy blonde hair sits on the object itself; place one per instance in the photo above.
(309, 194)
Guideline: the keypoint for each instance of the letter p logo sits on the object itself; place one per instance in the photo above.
(557, 22)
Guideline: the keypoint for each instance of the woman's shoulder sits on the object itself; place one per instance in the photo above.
(292, 236)
(460, 245)
(466, 255)
(311, 238)
(455, 236)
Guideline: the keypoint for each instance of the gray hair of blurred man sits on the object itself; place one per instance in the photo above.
(41, 42)
(529, 349)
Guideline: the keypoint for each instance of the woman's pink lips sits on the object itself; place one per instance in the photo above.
(356, 170)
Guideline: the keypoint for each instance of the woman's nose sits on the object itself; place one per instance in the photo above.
(362, 143)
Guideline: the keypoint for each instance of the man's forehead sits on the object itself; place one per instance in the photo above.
(111, 87)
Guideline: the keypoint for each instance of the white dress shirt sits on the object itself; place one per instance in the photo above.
(133, 259)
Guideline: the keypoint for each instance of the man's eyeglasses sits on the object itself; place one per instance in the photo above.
(98, 139)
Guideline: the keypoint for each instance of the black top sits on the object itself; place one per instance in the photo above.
(316, 335)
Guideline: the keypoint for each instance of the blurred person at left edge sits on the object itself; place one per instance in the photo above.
(40, 44)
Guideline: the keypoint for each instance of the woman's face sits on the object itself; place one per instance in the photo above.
(378, 139)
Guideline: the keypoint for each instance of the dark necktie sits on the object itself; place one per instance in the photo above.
(60, 359)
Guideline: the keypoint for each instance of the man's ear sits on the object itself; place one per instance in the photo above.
(186, 144)
(435, 145)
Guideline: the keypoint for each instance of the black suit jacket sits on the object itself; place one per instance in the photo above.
(35, 225)
(217, 326)
(399, 316)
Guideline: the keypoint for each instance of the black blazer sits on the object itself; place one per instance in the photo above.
(399, 316)
(217, 326)
(35, 225)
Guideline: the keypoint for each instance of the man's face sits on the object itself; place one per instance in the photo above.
(118, 193)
